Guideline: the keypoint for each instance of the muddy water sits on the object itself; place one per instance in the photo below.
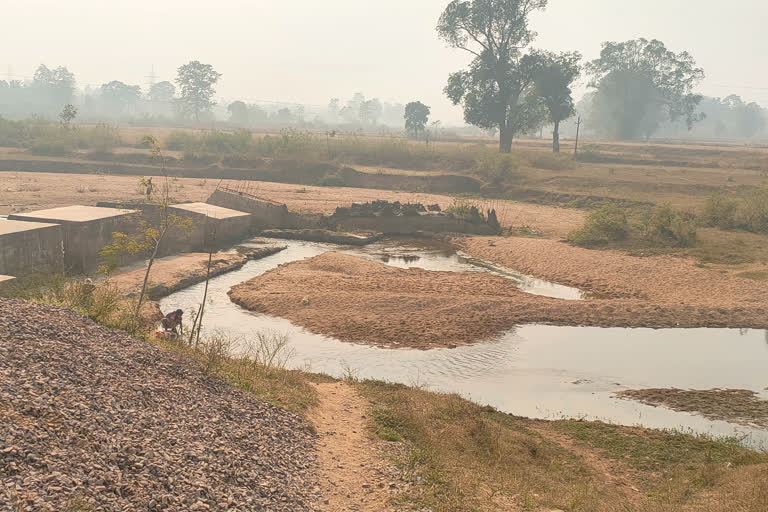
(536, 371)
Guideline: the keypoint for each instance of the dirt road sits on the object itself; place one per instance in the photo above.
(354, 472)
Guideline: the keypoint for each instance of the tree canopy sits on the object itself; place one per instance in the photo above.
(416, 118)
(639, 85)
(554, 78)
(196, 81)
(118, 96)
(495, 90)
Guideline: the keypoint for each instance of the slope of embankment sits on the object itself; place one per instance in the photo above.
(93, 418)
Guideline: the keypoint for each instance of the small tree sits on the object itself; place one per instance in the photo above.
(554, 78)
(196, 81)
(416, 118)
(68, 114)
(150, 236)
(238, 113)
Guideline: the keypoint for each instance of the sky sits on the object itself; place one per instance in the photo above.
(308, 51)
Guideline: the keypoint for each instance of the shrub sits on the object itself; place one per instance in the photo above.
(720, 211)
(753, 211)
(669, 226)
(52, 147)
(497, 168)
(181, 141)
(551, 162)
(607, 224)
(331, 179)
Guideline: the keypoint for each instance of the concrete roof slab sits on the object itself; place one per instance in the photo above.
(216, 212)
(16, 226)
(77, 213)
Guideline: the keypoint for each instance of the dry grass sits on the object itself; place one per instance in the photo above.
(263, 375)
(473, 458)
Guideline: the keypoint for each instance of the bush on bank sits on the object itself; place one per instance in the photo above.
(611, 224)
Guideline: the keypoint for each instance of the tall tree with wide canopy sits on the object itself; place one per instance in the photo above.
(640, 84)
(556, 74)
(416, 118)
(494, 89)
(196, 81)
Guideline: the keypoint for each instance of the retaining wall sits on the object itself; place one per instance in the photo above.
(27, 247)
(264, 214)
(86, 230)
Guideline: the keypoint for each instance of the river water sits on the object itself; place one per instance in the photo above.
(537, 371)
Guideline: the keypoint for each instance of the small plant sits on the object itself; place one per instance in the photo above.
(606, 224)
(81, 189)
(669, 226)
(720, 211)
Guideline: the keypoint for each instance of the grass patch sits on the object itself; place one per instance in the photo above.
(467, 457)
(463, 456)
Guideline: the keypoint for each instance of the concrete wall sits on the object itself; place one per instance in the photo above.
(210, 224)
(86, 230)
(35, 248)
(264, 214)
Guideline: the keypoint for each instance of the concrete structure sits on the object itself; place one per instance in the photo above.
(210, 224)
(27, 247)
(6, 282)
(87, 229)
(265, 214)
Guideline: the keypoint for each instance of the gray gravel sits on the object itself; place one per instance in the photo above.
(93, 416)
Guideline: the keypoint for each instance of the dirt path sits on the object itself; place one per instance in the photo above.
(613, 472)
(354, 474)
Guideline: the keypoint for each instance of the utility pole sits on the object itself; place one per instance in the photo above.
(576, 147)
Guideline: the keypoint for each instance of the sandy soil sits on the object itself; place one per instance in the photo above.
(176, 272)
(739, 406)
(363, 301)
(353, 471)
(662, 280)
(34, 191)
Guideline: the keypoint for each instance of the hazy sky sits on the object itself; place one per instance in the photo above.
(308, 51)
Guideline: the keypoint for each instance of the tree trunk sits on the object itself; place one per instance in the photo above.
(505, 139)
(556, 138)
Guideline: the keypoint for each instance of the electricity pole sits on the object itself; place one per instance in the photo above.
(576, 147)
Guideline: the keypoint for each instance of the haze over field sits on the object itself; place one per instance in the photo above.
(305, 51)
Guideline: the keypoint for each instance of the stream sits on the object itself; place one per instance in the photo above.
(538, 371)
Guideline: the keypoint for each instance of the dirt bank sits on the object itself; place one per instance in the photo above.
(662, 280)
(363, 301)
(740, 406)
(95, 419)
(175, 273)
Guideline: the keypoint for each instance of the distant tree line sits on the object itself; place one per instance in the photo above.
(51, 90)
(637, 89)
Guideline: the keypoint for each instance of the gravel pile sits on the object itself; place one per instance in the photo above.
(93, 419)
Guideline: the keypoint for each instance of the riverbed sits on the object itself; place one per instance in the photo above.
(537, 371)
